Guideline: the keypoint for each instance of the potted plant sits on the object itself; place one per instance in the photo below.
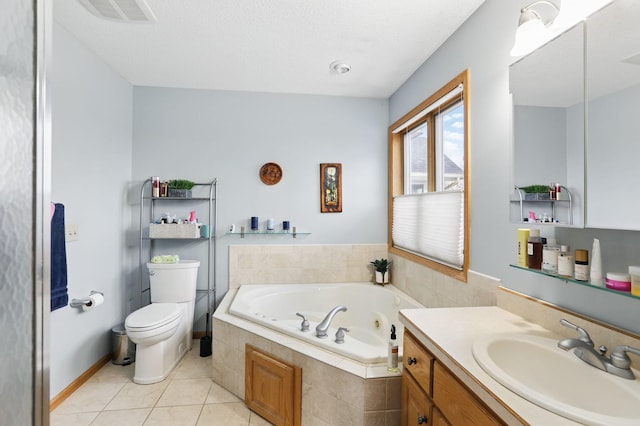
(180, 188)
(536, 192)
(381, 267)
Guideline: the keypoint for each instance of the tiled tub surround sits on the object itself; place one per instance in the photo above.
(449, 334)
(335, 390)
(300, 263)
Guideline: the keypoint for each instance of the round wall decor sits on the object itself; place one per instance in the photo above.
(270, 173)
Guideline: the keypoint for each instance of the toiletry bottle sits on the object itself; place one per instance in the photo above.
(534, 250)
(581, 269)
(523, 238)
(550, 256)
(156, 186)
(392, 357)
(565, 262)
(595, 276)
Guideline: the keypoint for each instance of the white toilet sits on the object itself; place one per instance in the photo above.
(162, 330)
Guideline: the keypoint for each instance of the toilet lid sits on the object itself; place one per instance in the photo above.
(153, 315)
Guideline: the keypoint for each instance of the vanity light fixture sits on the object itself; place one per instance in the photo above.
(532, 31)
(339, 67)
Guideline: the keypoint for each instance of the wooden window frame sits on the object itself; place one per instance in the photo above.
(396, 174)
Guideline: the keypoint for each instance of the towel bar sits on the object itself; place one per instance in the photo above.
(78, 303)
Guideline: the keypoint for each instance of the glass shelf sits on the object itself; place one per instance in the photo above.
(293, 234)
(574, 281)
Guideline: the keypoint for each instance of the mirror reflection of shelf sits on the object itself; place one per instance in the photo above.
(566, 200)
(574, 281)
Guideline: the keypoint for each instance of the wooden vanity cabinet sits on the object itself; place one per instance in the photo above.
(429, 387)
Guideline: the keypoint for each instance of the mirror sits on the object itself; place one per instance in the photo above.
(613, 128)
(548, 96)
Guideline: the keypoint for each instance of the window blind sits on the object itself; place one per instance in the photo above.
(431, 225)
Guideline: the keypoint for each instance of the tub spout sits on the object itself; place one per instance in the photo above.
(321, 329)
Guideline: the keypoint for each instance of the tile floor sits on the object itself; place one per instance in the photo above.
(187, 397)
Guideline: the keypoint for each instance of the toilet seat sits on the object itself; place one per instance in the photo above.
(153, 317)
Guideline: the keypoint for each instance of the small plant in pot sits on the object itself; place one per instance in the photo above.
(381, 267)
(180, 188)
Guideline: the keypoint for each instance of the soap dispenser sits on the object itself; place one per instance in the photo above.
(392, 357)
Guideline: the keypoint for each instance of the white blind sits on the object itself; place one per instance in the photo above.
(431, 225)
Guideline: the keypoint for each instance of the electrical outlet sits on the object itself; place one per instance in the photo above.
(71, 232)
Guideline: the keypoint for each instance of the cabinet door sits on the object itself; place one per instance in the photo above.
(416, 405)
(273, 388)
(457, 403)
(437, 419)
(417, 361)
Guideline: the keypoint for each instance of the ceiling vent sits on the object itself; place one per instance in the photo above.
(129, 11)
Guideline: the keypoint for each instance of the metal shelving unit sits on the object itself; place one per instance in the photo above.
(568, 201)
(146, 243)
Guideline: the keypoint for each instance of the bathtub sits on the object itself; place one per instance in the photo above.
(371, 310)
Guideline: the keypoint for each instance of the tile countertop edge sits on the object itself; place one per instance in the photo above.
(448, 333)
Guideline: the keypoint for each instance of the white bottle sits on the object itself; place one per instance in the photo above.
(392, 356)
(596, 276)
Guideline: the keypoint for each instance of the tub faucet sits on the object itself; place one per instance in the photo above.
(617, 364)
(321, 329)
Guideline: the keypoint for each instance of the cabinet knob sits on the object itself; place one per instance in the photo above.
(412, 360)
(422, 420)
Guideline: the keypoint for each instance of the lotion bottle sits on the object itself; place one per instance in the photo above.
(392, 356)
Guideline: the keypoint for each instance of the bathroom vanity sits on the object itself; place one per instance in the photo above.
(445, 385)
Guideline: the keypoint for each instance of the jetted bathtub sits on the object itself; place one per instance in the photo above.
(371, 310)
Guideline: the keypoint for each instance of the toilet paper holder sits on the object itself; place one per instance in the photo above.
(78, 303)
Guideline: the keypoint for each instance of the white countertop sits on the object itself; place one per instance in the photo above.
(449, 333)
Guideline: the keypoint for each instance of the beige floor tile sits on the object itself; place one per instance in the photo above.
(185, 392)
(133, 395)
(73, 419)
(122, 417)
(114, 373)
(91, 396)
(233, 414)
(193, 366)
(186, 415)
(218, 394)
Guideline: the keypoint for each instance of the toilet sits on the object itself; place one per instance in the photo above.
(162, 331)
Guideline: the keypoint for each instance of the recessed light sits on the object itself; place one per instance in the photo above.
(340, 67)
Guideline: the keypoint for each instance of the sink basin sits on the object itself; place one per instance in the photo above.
(537, 370)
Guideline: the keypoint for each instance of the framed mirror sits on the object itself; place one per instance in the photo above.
(548, 96)
(613, 111)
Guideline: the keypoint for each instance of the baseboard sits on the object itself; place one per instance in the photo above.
(66, 392)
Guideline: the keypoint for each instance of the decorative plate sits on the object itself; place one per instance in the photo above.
(270, 173)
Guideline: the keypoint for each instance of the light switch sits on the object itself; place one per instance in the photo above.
(71, 232)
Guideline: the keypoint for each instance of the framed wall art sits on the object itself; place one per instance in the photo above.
(330, 188)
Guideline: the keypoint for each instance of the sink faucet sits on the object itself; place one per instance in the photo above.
(618, 364)
(321, 329)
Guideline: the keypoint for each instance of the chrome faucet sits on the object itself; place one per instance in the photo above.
(618, 364)
(321, 329)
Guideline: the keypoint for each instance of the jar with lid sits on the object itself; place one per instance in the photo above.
(581, 265)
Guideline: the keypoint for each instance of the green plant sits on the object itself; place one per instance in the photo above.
(181, 184)
(535, 189)
(381, 265)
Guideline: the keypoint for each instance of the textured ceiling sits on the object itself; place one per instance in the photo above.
(282, 46)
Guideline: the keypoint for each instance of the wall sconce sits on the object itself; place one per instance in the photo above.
(532, 31)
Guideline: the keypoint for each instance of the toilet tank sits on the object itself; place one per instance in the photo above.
(173, 282)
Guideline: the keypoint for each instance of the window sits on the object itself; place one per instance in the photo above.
(428, 182)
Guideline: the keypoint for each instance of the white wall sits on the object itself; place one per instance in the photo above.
(483, 44)
(199, 135)
(91, 164)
